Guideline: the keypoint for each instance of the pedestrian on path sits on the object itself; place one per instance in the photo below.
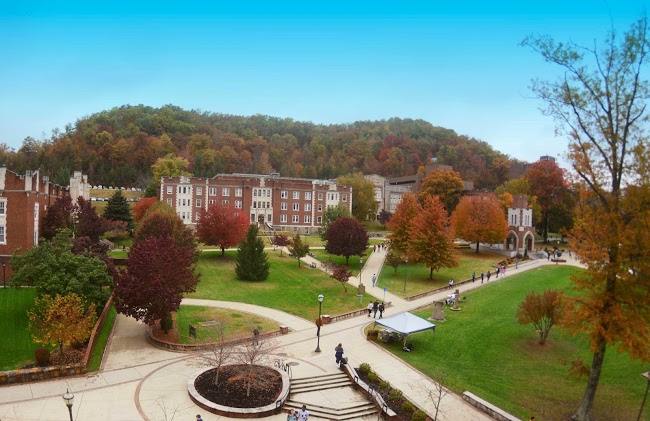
(488, 276)
(516, 263)
(256, 336)
(381, 310)
(498, 270)
(451, 283)
(303, 414)
(503, 271)
(473, 277)
(369, 308)
(482, 275)
(292, 416)
(374, 279)
(338, 353)
(198, 417)
(375, 308)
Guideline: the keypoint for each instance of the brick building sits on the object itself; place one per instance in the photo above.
(281, 203)
(23, 202)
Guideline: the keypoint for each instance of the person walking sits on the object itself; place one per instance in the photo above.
(381, 310)
(482, 275)
(516, 263)
(488, 276)
(374, 279)
(303, 414)
(375, 308)
(498, 270)
(369, 308)
(451, 283)
(292, 416)
(198, 417)
(473, 277)
(503, 271)
(338, 353)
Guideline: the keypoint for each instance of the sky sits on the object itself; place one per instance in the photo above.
(456, 64)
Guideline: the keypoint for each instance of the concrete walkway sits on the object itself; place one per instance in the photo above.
(140, 382)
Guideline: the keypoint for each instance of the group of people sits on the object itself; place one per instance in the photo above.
(380, 247)
(302, 415)
(374, 308)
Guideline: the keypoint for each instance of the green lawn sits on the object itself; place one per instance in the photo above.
(102, 340)
(417, 276)
(483, 349)
(288, 288)
(236, 324)
(16, 346)
(353, 266)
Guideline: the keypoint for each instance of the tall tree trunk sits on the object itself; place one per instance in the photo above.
(584, 411)
(545, 229)
(477, 246)
(431, 273)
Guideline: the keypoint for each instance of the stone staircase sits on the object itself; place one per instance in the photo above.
(330, 397)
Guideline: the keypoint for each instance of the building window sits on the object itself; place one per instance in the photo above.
(284, 194)
(199, 203)
(296, 206)
(213, 191)
(283, 218)
(283, 206)
(319, 219)
(308, 206)
(307, 219)
(345, 197)
(296, 195)
(238, 192)
(170, 189)
(238, 204)
(169, 202)
(225, 191)
(3, 207)
(307, 195)
(320, 196)
(225, 203)
(197, 216)
(295, 219)
(320, 208)
(212, 201)
(199, 191)
(253, 217)
(2, 236)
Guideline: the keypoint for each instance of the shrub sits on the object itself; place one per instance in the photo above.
(384, 385)
(166, 323)
(419, 416)
(395, 395)
(42, 357)
(407, 407)
(373, 377)
(364, 369)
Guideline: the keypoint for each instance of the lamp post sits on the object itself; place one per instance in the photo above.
(68, 398)
(645, 375)
(320, 307)
(4, 274)
(406, 271)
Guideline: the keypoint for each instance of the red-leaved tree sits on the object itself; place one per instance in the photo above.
(480, 219)
(341, 274)
(222, 226)
(142, 207)
(346, 237)
(282, 241)
(157, 275)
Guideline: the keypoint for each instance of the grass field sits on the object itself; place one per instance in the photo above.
(16, 346)
(102, 340)
(417, 276)
(484, 350)
(236, 324)
(354, 266)
(288, 288)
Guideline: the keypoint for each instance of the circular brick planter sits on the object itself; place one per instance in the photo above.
(227, 411)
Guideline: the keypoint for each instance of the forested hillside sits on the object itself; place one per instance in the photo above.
(118, 147)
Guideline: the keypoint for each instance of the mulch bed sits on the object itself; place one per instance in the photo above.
(231, 388)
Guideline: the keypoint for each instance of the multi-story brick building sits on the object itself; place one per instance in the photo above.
(23, 202)
(282, 203)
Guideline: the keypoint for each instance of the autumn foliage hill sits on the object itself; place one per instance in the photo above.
(119, 146)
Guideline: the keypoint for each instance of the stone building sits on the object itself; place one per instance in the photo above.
(521, 232)
(279, 203)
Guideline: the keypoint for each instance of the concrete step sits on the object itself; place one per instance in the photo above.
(302, 380)
(351, 413)
(317, 386)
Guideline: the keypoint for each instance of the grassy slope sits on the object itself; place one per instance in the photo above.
(484, 350)
(288, 288)
(102, 340)
(16, 346)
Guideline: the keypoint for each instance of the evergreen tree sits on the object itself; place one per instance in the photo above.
(118, 209)
(252, 260)
(298, 248)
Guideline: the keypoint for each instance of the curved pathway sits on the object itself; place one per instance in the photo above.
(140, 382)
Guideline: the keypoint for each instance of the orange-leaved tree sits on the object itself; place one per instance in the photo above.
(62, 320)
(480, 219)
(547, 183)
(600, 104)
(543, 310)
(142, 207)
(432, 237)
(444, 183)
(399, 226)
(222, 226)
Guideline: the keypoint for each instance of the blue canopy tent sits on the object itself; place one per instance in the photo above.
(406, 324)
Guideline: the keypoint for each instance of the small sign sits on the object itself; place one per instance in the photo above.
(385, 289)
(192, 331)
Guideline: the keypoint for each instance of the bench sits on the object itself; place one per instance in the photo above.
(312, 265)
(558, 260)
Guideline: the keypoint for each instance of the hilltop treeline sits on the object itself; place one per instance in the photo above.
(118, 147)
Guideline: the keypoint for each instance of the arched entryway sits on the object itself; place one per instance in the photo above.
(512, 242)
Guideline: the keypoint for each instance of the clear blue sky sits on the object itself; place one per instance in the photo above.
(456, 64)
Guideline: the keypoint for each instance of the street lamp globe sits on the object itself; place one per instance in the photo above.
(68, 398)
(320, 298)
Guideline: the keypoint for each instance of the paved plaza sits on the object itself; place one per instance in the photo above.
(138, 381)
